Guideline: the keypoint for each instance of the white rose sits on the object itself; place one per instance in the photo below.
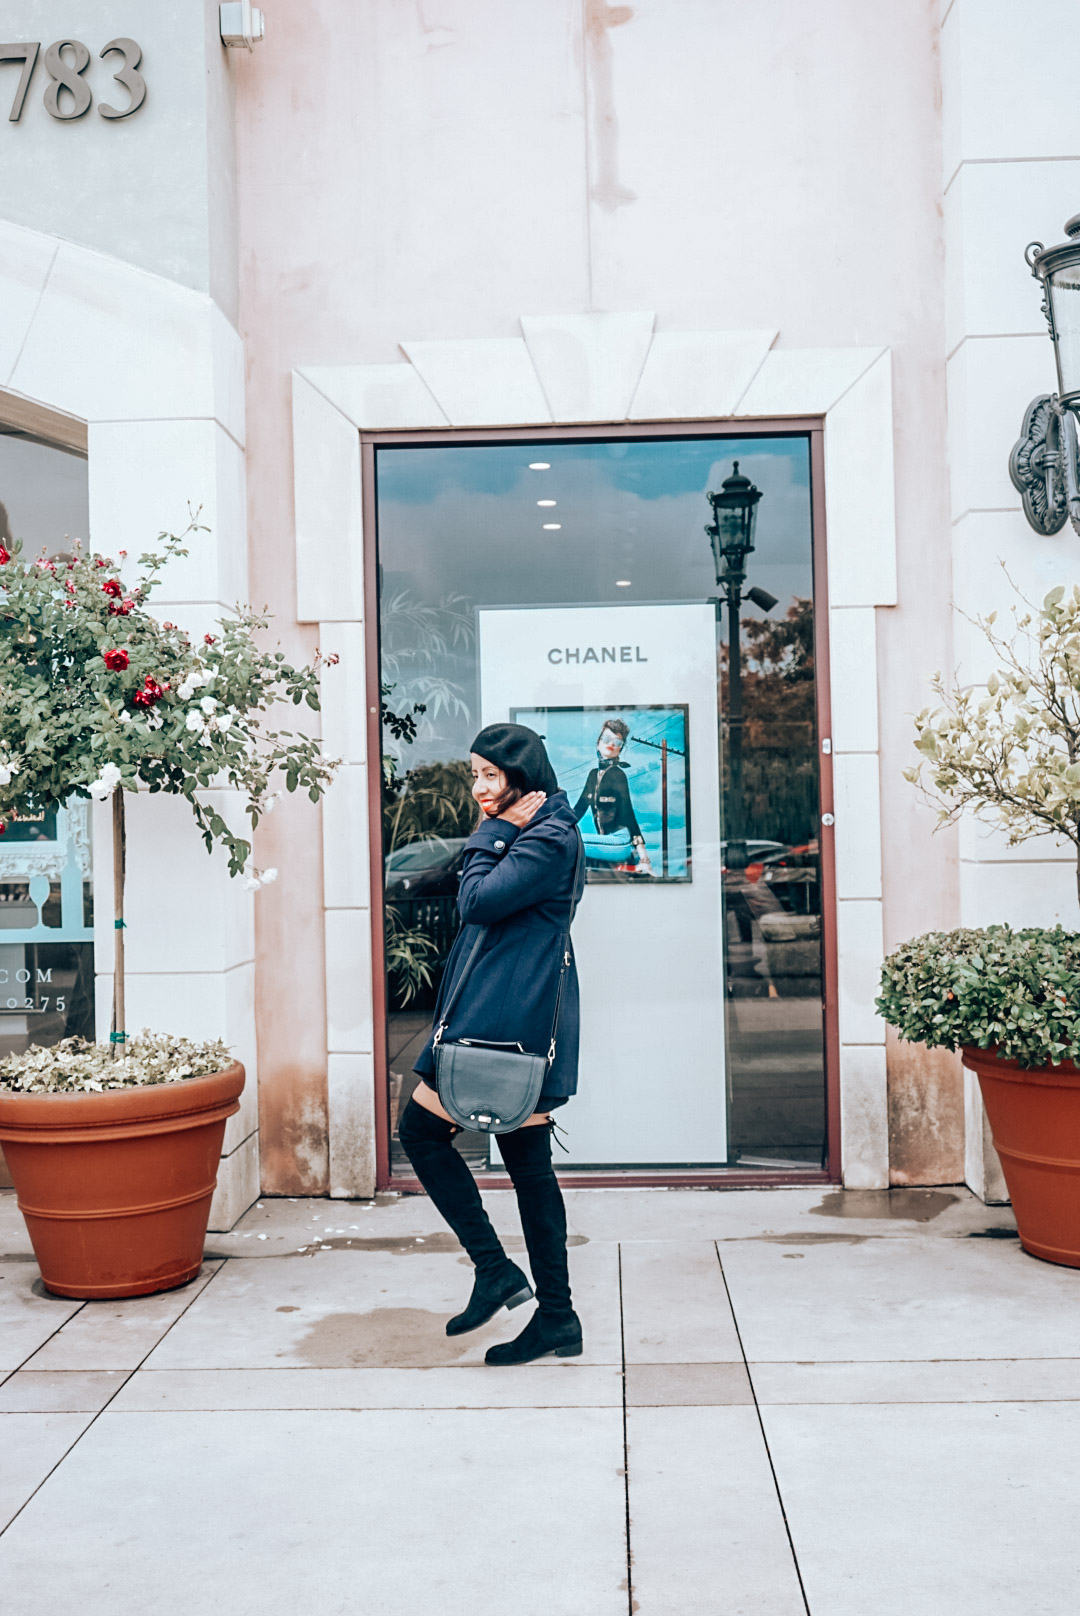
(224, 720)
(5, 775)
(195, 721)
(194, 679)
(209, 704)
(268, 877)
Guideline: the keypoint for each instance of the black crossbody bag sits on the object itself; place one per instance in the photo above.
(493, 1088)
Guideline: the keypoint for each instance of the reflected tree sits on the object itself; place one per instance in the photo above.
(780, 784)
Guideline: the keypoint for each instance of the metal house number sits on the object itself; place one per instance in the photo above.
(68, 95)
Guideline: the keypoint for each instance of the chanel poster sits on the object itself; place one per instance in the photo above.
(626, 771)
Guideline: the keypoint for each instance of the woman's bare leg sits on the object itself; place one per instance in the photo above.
(426, 1096)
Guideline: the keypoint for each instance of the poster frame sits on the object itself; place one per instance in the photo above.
(613, 710)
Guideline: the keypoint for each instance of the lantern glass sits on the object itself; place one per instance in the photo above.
(736, 524)
(1064, 287)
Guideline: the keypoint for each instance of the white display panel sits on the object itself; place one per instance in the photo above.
(649, 952)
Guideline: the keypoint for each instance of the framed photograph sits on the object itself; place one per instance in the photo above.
(626, 770)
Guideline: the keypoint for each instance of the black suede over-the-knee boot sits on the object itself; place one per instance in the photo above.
(554, 1327)
(427, 1140)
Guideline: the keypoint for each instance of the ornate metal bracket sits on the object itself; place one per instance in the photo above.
(1036, 465)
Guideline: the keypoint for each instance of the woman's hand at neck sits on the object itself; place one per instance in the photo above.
(526, 808)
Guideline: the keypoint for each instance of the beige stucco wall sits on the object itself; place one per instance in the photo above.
(854, 180)
(436, 171)
(156, 190)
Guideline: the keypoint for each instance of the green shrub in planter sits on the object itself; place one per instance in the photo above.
(1016, 991)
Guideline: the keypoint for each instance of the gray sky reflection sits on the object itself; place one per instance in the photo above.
(465, 520)
(44, 490)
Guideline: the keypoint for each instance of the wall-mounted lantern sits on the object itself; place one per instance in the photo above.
(241, 24)
(1044, 464)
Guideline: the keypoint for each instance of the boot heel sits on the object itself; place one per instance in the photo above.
(519, 1297)
(573, 1349)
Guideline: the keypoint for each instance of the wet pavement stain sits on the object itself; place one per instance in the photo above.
(994, 1234)
(398, 1337)
(306, 1245)
(910, 1206)
(810, 1239)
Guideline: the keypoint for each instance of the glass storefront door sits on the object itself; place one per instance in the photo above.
(662, 641)
(46, 875)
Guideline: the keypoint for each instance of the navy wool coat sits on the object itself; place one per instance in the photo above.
(518, 884)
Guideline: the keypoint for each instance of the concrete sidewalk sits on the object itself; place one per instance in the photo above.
(790, 1400)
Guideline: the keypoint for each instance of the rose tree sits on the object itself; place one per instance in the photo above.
(99, 697)
(1011, 753)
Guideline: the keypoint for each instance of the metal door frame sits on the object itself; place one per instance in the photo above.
(811, 427)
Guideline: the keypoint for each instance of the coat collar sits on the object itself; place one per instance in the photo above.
(557, 803)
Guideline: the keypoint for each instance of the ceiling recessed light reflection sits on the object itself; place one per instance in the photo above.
(539, 465)
(545, 502)
(552, 527)
(622, 583)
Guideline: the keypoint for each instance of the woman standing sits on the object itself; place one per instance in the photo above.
(520, 881)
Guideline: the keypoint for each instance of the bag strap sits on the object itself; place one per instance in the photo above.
(460, 983)
(444, 1019)
(566, 955)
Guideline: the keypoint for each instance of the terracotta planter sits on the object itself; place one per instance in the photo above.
(1035, 1120)
(116, 1187)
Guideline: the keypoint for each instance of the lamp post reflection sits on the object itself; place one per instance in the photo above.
(731, 534)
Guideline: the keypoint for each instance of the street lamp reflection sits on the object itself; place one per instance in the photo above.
(731, 534)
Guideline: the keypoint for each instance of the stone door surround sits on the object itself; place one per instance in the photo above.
(601, 369)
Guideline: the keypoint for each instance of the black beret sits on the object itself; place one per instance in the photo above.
(520, 754)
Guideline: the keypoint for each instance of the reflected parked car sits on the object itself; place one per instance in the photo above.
(428, 868)
(758, 852)
(794, 875)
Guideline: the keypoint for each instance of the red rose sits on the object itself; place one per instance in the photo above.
(116, 661)
(113, 587)
(209, 639)
(120, 608)
(5, 556)
(149, 694)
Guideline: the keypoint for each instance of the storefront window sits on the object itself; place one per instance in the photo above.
(46, 876)
(572, 586)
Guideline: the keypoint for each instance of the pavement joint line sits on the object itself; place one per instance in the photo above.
(764, 1436)
(94, 1418)
(626, 1441)
(357, 1408)
(42, 1344)
(1013, 1358)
